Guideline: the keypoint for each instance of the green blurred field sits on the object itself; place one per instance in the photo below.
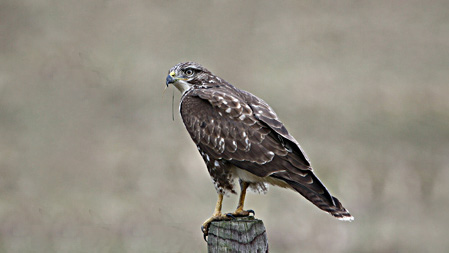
(91, 161)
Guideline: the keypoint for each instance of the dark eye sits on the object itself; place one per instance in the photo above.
(189, 72)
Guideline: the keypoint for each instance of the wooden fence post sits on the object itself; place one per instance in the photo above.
(242, 234)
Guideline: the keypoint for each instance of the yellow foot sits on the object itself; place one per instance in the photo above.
(240, 213)
(215, 217)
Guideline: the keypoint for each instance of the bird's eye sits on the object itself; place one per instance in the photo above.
(189, 72)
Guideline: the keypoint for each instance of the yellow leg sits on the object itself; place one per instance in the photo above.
(216, 216)
(244, 186)
(239, 211)
(219, 216)
(217, 210)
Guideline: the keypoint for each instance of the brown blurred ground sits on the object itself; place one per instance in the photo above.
(90, 160)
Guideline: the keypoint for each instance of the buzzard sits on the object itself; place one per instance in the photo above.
(240, 136)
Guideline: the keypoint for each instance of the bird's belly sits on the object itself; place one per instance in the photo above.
(249, 177)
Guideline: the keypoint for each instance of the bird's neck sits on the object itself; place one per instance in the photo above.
(182, 86)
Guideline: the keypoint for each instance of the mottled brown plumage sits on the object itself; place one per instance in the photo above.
(240, 136)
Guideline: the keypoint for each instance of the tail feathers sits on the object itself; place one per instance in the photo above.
(323, 200)
(340, 212)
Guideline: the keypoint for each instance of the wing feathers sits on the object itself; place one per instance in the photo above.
(236, 127)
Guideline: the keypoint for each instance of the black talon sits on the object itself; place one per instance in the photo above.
(230, 215)
(204, 233)
(251, 211)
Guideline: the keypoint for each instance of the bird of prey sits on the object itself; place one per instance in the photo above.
(240, 137)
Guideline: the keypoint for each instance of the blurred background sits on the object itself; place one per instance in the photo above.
(91, 160)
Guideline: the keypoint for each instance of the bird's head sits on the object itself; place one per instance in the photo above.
(189, 74)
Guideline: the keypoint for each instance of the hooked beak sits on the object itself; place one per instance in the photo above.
(170, 78)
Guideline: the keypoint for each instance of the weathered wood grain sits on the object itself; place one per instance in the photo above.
(242, 234)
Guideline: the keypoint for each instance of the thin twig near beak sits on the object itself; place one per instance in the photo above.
(172, 105)
(172, 102)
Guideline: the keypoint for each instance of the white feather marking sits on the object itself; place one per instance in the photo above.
(216, 164)
(274, 172)
(225, 102)
(219, 113)
(346, 218)
(238, 106)
(220, 98)
(228, 110)
(242, 117)
(244, 134)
